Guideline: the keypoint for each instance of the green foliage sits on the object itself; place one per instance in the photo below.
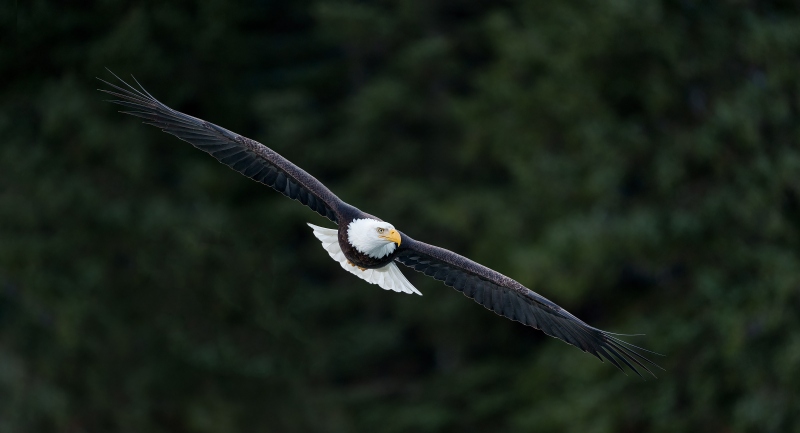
(636, 162)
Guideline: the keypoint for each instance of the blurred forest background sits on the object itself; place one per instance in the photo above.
(636, 162)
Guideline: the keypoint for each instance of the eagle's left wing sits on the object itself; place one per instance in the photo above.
(242, 154)
(511, 299)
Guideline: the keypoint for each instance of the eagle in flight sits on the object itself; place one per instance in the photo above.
(371, 248)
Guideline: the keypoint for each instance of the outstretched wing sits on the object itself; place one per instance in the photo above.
(244, 155)
(511, 299)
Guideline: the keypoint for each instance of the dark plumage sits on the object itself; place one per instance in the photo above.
(491, 289)
(511, 299)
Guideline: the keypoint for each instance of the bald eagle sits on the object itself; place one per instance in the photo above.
(371, 248)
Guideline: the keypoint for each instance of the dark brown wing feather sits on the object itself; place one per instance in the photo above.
(511, 299)
(244, 155)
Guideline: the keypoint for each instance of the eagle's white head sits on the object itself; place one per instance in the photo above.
(372, 237)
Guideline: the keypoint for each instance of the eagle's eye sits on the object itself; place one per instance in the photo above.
(381, 230)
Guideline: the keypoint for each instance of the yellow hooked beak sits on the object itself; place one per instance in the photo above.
(393, 236)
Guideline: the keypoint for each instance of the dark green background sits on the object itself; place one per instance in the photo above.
(636, 162)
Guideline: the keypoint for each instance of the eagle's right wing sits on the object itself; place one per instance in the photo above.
(511, 299)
